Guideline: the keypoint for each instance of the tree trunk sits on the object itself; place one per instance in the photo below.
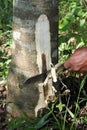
(34, 47)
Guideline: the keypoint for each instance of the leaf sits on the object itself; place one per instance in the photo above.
(25, 116)
(11, 125)
(69, 16)
(43, 121)
(60, 106)
(63, 23)
(83, 82)
(71, 114)
(77, 106)
(85, 120)
(82, 22)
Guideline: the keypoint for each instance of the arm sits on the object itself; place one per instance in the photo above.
(78, 61)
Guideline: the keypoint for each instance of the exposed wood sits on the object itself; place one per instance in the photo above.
(43, 45)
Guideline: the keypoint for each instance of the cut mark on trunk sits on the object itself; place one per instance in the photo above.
(43, 46)
(44, 67)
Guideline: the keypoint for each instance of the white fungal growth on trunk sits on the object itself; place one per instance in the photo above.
(43, 46)
(16, 35)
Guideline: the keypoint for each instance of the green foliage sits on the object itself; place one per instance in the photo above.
(72, 26)
(5, 58)
(72, 35)
(26, 123)
(5, 15)
(5, 36)
(84, 119)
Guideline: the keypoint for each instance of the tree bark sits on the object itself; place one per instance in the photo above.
(35, 34)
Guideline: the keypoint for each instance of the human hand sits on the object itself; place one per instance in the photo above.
(77, 61)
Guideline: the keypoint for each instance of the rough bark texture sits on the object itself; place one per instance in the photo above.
(24, 53)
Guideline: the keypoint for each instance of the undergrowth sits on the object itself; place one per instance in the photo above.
(64, 113)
